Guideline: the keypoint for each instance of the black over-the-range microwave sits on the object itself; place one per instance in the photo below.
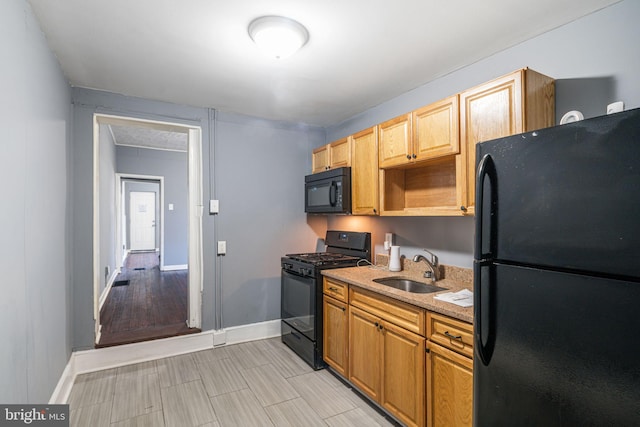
(328, 192)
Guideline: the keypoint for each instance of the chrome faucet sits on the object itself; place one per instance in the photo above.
(433, 272)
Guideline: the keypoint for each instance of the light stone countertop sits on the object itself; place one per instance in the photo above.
(454, 279)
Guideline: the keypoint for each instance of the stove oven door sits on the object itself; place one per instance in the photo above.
(298, 303)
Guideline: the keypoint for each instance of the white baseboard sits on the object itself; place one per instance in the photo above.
(174, 267)
(82, 362)
(107, 288)
(251, 332)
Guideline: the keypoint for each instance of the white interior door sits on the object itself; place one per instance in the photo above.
(142, 214)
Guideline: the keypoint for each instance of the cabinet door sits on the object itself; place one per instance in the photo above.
(435, 129)
(336, 334)
(449, 388)
(364, 172)
(403, 374)
(489, 111)
(340, 153)
(365, 350)
(320, 159)
(395, 142)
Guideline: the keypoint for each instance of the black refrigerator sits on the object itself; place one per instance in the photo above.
(557, 276)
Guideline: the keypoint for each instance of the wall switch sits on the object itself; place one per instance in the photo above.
(214, 206)
(222, 247)
(615, 107)
(170, 206)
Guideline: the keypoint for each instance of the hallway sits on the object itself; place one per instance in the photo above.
(153, 305)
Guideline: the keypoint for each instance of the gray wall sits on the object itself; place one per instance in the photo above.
(35, 323)
(595, 60)
(107, 194)
(256, 167)
(172, 165)
(259, 170)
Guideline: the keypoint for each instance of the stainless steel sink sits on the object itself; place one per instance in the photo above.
(408, 285)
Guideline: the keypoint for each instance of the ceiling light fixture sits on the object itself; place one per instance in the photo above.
(278, 36)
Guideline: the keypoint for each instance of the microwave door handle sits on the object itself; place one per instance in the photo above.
(333, 190)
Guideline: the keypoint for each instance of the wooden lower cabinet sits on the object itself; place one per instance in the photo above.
(449, 388)
(335, 349)
(379, 343)
(365, 349)
(403, 374)
(387, 363)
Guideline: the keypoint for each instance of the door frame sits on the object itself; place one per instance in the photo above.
(120, 179)
(195, 211)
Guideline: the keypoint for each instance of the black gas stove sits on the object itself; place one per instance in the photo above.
(301, 304)
(320, 259)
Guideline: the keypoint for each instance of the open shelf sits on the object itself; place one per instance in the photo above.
(426, 188)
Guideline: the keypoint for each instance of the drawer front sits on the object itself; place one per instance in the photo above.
(450, 333)
(405, 315)
(337, 290)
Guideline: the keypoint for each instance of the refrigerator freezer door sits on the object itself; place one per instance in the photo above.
(566, 350)
(566, 197)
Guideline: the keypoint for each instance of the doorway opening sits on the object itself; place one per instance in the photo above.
(146, 285)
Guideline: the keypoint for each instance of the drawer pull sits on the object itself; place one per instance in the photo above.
(453, 337)
(343, 309)
(332, 289)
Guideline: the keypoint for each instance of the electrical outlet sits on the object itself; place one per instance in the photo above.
(388, 241)
(222, 247)
(615, 107)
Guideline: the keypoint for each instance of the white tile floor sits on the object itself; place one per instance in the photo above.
(259, 383)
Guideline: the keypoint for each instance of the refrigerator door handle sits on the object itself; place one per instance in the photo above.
(484, 333)
(483, 317)
(486, 168)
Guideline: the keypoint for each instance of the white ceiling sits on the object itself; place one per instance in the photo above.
(360, 52)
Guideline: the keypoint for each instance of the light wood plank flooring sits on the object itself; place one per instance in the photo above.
(259, 383)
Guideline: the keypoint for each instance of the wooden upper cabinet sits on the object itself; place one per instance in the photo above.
(340, 153)
(426, 133)
(436, 130)
(364, 172)
(320, 159)
(396, 145)
(334, 155)
(518, 102)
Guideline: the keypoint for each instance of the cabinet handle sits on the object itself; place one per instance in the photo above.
(380, 327)
(332, 289)
(377, 324)
(413, 156)
(343, 309)
(463, 208)
(408, 157)
(453, 337)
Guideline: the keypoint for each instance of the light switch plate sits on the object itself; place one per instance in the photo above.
(222, 247)
(214, 206)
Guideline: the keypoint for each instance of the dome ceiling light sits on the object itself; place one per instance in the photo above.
(278, 36)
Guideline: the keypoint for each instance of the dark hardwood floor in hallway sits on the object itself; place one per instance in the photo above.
(153, 305)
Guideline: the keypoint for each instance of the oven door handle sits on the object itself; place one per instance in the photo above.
(295, 273)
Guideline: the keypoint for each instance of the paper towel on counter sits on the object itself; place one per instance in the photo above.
(463, 298)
